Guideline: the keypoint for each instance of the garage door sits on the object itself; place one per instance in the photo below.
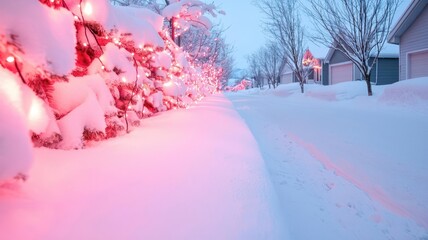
(418, 64)
(286, 78)
(341, 73)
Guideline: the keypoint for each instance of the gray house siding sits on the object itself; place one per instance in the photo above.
(414, 39)
(385, 71)
(324, 75)
(388, 71)
(338, 57)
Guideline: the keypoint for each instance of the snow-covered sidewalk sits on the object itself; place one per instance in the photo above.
(350, 168)
(185, 174)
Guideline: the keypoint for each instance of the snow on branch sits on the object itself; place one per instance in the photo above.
(356, 28)
(84, 70)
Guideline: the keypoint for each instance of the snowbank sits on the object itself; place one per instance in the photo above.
(340, 91)
(285, 90)
(155, 183)
(349, 168)
(411, 92)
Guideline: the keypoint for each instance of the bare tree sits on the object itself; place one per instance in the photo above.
(270, 62)
(209, 48)
(255, 70)
(357, 28)
(283, 24)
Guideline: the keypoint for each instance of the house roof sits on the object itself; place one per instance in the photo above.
(388, 51)
(406, 20)
(330, 52)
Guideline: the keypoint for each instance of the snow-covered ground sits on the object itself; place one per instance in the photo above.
(185, 174)
(345, 166)
(271, 164)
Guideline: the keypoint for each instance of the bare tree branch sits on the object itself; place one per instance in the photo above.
(284, 26)
(357, 28)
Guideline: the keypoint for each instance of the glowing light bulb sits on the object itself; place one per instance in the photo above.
(167, 84)
(36, 112)
(124, 79)
(85, 44)
(88, 9)
(10, 59)
(103, 67)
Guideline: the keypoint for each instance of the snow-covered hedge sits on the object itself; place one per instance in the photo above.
(73, 71)
(18, 108)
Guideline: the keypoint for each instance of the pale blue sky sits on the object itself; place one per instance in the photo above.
(245, 30)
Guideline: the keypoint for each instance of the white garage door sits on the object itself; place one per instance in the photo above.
(341, 73)
(286, 78)
(418, 64)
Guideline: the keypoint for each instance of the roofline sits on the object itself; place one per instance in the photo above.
(381, 54)
(388, 55)
(330, 52)
(412, 12)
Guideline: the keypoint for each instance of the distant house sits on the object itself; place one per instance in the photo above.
(287, 75)
(411, 33)
(341, 69)
(313, 66)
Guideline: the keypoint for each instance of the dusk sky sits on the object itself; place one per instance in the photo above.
(245, 31)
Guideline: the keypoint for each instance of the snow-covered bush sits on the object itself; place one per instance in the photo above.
(17, 104)
(87, 70)
(242, 85)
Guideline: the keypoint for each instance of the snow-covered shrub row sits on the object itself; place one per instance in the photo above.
(85, 70)
(19, 111)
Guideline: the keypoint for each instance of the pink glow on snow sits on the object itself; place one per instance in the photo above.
(375, 193)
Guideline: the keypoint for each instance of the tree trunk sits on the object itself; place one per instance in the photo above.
(369, 84)
(301, 82)
(171, 22)
(178, 42)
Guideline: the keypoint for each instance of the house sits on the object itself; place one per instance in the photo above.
(411, 34)
(312, 65)
(287, 75)
(339, 68)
